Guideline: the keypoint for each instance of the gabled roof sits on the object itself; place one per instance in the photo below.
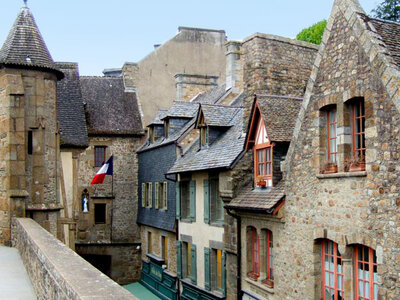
(221, 154)
(279, 114)
(109, 109)
(70, 110)
(181, 109)
(25, 46)
(217, 115)
(258, 199)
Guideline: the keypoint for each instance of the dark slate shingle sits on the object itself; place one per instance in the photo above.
(258, 199)
(218, 115)
(25, 46)
(212, 96)
(71, 113)
(109, 109)
(279, 114)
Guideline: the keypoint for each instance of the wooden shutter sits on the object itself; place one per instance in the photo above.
(178, 200)
(179, 259)
(193, 272)
(224, 273)
(144, 198)
(150, 195)
(207, 271)
(165, 191)
(206, 201)
(157, 188)
(193, 201)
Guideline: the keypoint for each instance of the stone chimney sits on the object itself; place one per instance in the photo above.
(189, 85)
(234, 66)
(130, 73)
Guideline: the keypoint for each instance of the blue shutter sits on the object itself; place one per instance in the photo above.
(207, 273)
(178, 200)
(193, 271)
(206, 201)
(224, 273)
(193, 201)
(179, 259)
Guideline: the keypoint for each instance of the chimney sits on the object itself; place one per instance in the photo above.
(234, 66)
(189, 85)
(130, 73)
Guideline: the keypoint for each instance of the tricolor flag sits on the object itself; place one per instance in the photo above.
(106, 169)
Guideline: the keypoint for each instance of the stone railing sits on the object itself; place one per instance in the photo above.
(56, 272)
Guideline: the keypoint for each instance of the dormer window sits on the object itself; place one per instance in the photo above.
(204, 136)
(151, 134)
(263, 167)
(166, 128)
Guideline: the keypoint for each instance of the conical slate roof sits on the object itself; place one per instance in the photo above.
(25, 46)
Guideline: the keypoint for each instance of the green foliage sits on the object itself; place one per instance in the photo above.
(388, 10)
(313, 34)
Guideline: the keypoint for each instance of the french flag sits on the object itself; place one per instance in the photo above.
(106, 169)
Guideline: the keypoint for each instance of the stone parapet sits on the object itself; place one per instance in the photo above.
(56, 272)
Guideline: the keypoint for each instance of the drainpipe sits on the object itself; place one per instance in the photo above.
(239, 252)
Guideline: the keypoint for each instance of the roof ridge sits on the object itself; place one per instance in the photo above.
(279, 96)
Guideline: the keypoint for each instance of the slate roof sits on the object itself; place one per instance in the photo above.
(181, 109)
(71, 113)
(389, 35)
(280, 115)
(157, 119)
(220, 154)
(212, 96)
(218, 115)
(258, 199)
(109, 109)
(25, 46)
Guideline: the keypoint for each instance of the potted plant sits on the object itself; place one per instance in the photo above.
(330, 168)
(261, 181)
(357, 164)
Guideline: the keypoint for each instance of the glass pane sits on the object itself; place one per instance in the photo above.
(360, 271)
(261, 155)
(261, 169)
(268, 154)
(362, 108)
(331, 265)
(268, 169)
(361, 289)
(375, 291)
(366, 291)
(357, 110)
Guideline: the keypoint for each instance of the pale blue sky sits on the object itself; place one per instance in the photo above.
(102, 34)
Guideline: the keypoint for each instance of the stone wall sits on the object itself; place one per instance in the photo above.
(347, 208)
(56, 271)
(189, 86)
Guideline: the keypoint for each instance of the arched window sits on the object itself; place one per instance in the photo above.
(366, 273)
(332, 272)
(253, 244)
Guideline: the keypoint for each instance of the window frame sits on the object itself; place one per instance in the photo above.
(149, 242)
(216, 203)
(185, 199)
(164, 249)
(269, 254)
(255, 254)
(329, 138)
(361, 133)
(96, 213)
(335, 256)
(371, 263)
(263, 147)
(96, 153)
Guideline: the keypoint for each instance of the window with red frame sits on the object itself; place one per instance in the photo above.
(332, 272)
(358, 124)
(264, 162)
(331, 134)
(269, 256)
(255, 255)
(366, 273)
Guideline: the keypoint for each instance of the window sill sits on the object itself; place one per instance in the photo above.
(342, 175)
(186, 221)
(217, 223)
(260, 285)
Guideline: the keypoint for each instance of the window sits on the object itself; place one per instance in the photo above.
(185, 199)
(331, 136)
(99, 155)
(216, 203)
(166, 127)
(100, 213)
(254, 255)
(366, 281)
(161, 195)
(147, 194)
(332, 272)
(164, 248)
(30, 142)
(263, 165)
(218, 269)
(358, 126)
(268, 252)
(204, 136)
(149, 242)
(186, 260)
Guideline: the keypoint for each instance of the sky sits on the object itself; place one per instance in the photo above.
(101, 34)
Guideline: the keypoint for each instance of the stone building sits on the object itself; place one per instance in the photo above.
(342, 202)
(30, 156)
(191, 51)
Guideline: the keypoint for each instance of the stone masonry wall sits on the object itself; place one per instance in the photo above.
(56, 272)
(276, 66)
(344, 208)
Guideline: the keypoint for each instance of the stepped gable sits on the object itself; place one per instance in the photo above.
(71, 113)
(279, 114)
(109, 109)
(25, 46)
